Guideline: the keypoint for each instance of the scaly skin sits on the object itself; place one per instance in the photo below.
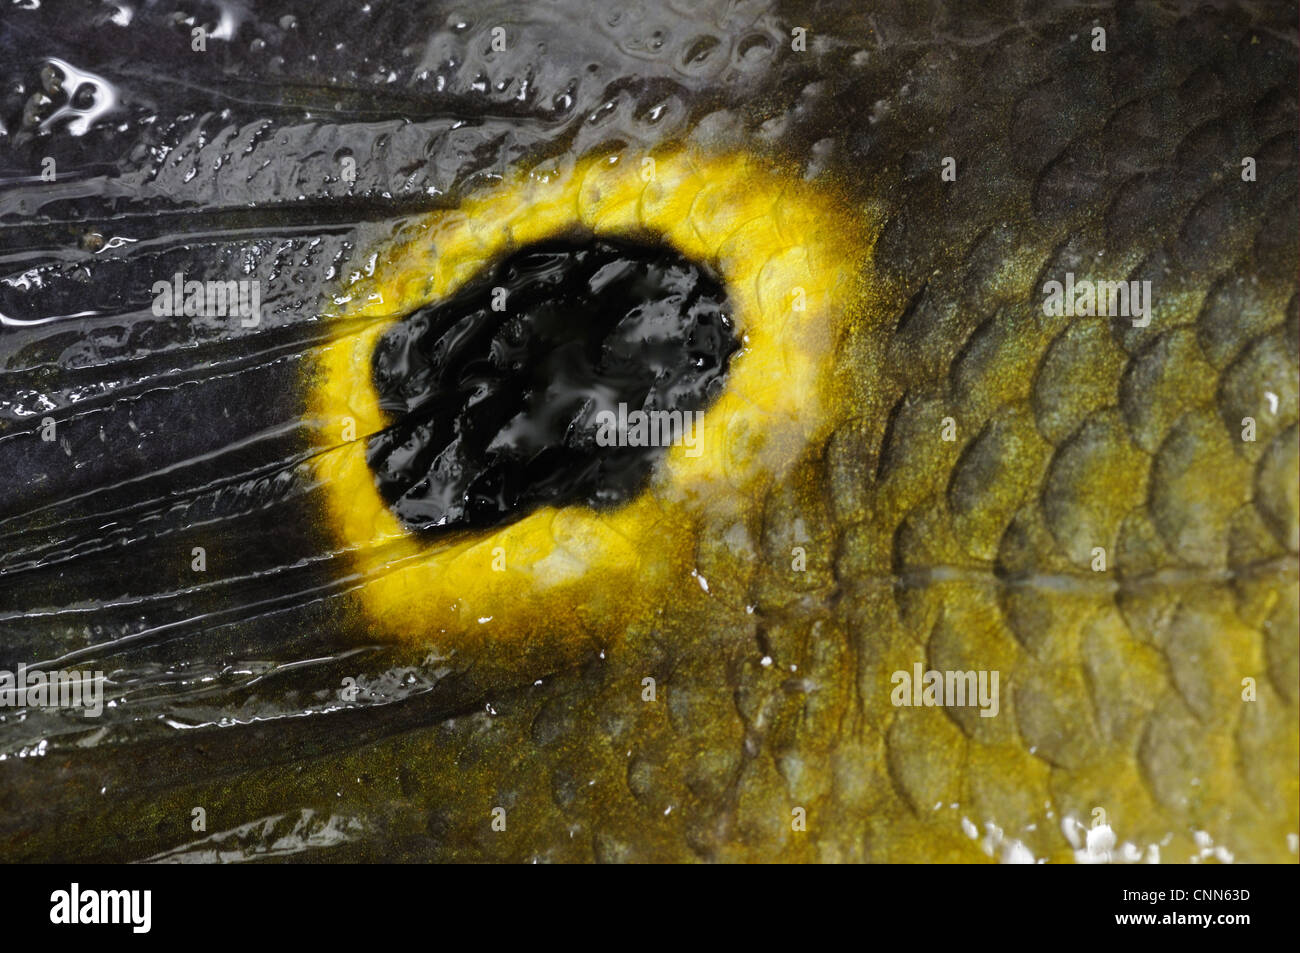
(1121, 690)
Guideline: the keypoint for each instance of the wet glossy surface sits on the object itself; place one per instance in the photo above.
(497, 393)
(307, 135)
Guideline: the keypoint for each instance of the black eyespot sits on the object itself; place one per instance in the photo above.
(494, 393)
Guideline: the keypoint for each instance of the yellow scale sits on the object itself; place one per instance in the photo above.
(792, 264)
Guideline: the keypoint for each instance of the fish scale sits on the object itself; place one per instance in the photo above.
(1121, 690)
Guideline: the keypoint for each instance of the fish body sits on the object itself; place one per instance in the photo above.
(1092, 514)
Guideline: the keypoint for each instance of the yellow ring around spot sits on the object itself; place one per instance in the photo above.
(791, 261)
